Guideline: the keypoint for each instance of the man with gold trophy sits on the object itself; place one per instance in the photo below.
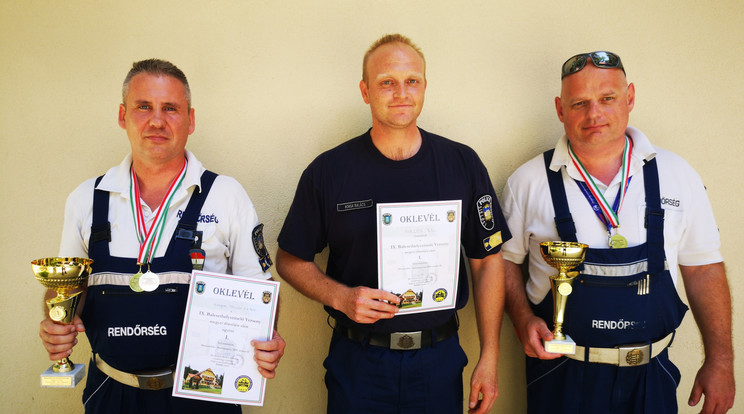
(67, 276)
(563, 256)
(146, 224)
(644, 214)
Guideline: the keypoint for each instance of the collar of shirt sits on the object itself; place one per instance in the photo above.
(117, 179)
(642, 151)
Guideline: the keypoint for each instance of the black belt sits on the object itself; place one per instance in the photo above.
(401, 340)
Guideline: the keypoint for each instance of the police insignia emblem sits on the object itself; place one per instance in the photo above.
(439, 295)
(200, 287)
(266, 297)
(197, 258)
(484, 211)
(634, 357)
(387, 218)
(154, 383)
(264, 259)
(405, 342)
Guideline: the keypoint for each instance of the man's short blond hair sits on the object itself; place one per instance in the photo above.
(389, 38)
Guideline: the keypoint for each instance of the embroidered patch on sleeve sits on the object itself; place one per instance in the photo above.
(492, 241)
(485, 214)
(258, 245)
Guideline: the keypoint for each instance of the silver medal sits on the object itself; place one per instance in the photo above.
(149, 281)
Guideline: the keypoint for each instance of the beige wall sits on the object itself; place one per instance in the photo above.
(275, 83)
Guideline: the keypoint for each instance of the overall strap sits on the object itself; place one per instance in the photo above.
(100, 231)
(654, 220)
(563, 219)
(183, 238)
(186, 235)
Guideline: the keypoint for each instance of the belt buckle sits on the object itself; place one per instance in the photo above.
(155, 380)
(633, 355)
(404, 341)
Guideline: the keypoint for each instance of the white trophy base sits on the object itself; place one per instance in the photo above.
(51, 379)
(566, 346)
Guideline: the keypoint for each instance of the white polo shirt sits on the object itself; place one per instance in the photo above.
(227, 220)
(690, 232)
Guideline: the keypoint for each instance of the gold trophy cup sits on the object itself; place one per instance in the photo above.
(64, 275)
(563, 256)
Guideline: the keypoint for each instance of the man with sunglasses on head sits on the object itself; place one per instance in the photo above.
(644, 213)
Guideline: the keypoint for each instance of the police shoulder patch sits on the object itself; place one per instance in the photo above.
(260, 247)
(485, 213)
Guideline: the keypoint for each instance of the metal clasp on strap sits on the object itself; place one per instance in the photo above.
(405, 340)
(633, 355)
(155, 380)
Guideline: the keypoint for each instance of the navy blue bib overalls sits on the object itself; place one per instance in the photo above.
(139, 331)
(607, 308)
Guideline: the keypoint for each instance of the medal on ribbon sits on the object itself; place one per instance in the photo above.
(134, 281)
(149, 238)
(607, 214)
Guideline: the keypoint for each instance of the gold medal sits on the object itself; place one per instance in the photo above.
(617, 241)
(134, 282)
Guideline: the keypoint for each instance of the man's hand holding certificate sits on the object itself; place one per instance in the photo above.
(418, 253)
(224, 313)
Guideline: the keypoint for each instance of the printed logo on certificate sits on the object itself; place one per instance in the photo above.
(418, 253)
(215, 359)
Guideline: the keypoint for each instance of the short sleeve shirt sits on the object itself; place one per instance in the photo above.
(335, 206)
(226, 221)
(690, 232)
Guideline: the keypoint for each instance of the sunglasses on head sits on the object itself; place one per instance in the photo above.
(605, 60)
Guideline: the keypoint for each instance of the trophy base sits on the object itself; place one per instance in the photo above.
(566, 346)
(51, 379)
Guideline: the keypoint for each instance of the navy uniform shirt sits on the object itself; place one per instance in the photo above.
(335, 206)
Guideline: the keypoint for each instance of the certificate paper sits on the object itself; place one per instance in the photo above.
(215, 359)
(418, 253)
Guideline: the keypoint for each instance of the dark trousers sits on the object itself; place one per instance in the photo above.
(368, 379)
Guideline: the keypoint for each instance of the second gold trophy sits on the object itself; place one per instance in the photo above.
(563, 256)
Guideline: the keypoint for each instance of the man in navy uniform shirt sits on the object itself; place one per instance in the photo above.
(395, 162)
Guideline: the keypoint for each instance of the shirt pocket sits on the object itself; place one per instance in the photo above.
(674, 225)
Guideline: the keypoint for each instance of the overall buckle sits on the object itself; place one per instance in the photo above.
(155, 380)
(632, 355)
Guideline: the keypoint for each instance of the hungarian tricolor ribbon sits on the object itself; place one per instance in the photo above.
(149, 239)
(606, 213)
